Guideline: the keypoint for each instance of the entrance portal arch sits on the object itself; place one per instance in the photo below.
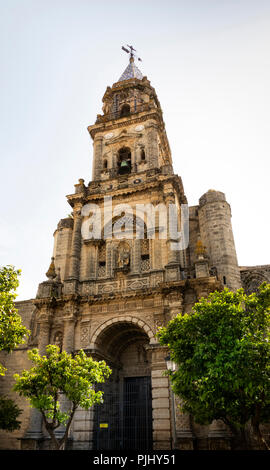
(124, 420)
(122, 320)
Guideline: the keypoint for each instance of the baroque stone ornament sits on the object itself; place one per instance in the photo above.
(51, 273)
(110, 294)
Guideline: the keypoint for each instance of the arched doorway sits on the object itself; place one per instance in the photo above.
(124, 420)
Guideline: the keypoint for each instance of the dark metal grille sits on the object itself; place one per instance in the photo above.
(127, 412)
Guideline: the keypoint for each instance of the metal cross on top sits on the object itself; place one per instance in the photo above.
(131, 52)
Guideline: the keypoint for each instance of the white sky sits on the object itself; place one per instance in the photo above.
(209, 62)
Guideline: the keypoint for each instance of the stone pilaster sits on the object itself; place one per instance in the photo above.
(34, 431)
(136, 267)
(201, 268)
(172, 254)
(44, 335)
(68, 340)
(162, 426)
(76, 246)
(90, 268)
(108, 259)
(152, 145)
(83, 429)
(97, 159)
(68, 346)
(184, 434)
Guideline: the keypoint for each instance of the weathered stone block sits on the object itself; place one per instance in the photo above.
(159, 382)
(163, 424)
(163, 413)
(160, 393)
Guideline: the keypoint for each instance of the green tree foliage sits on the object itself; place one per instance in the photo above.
(12, 333)
(59, 373)
(9, 413)
(222, 351)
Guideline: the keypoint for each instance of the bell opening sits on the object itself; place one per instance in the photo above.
(124, 161)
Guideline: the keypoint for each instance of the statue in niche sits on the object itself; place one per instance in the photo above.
(123, 256)
(58, 340)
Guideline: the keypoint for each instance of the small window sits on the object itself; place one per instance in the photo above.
(145, 262)
(105, 164)
(224, 280)
(125, 110)
(142, 155)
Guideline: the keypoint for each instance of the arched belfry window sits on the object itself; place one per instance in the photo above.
(125, 110)
(124, 161)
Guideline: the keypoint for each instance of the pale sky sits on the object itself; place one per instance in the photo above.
(209, 62)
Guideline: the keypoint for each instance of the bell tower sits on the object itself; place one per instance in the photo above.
(129, 137)
(109, 290)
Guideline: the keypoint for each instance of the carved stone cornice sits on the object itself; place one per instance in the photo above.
(93, 241)
(76, 199)
(156, 183)
(117, 123)
(124, 136)
(48, 302)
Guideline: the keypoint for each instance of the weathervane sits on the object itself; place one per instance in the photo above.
(131, 52)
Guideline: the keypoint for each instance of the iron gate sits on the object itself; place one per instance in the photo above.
(124, 420)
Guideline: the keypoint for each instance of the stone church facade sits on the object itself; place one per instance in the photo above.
(109, 295)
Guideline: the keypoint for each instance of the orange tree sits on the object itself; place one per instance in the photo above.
(222, 350)
(12, 333)
(59, 373)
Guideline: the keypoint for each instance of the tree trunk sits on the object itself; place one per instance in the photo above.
(55, 442)
(258, 435)
(239, 436)
(63, 441)
(243, 438)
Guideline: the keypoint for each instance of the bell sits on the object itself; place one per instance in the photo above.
(124, 167)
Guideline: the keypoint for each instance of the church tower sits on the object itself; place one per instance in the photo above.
(113, 282)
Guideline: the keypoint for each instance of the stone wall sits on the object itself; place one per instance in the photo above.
(217, 235)
(253, 276)
(15, 362)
